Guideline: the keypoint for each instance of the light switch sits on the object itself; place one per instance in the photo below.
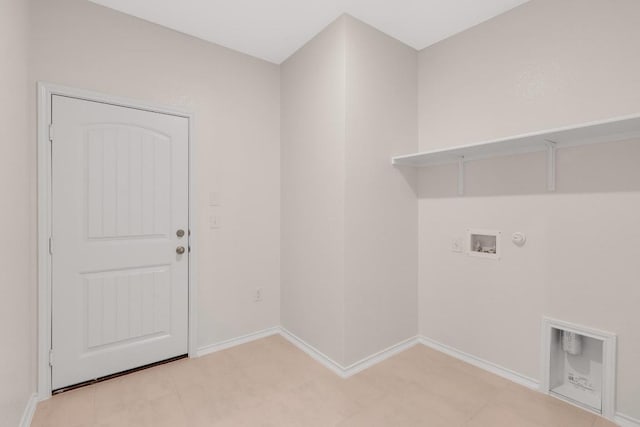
(456, 244)
(214, 198)
(214, 221)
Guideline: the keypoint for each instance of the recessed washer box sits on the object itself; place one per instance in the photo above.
(483, 243)
(578, 365)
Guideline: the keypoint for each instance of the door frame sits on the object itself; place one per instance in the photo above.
(45, 92)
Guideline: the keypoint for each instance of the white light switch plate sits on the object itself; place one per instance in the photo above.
(214, 198)
(214, 221)
(456, 244)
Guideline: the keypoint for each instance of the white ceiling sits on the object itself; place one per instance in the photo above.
(274, 29)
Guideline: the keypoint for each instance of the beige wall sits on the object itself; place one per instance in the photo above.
(17, 316)
(349, 245)
(235, 99)
(349, 248)
(313, 140)
(545, 64)
(381, 246)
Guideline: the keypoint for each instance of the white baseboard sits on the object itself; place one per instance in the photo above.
(378, 357)
(223, 345)
(29, 410)
(481, 363)
(354, 368)
(626, 421)
(313, 352)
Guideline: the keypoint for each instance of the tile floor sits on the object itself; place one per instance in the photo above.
(271, 383)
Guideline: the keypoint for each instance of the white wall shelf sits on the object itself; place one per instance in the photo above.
(611, 130)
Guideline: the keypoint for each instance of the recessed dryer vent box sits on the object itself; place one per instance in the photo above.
(579, 365)
(484, 243)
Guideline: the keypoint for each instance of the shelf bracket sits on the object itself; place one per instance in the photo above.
(461, 176)
(551, 166)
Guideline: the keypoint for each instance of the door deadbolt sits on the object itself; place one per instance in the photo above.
(180, 250)
(180, 233)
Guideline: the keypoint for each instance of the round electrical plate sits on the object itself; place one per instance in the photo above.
(518, 238)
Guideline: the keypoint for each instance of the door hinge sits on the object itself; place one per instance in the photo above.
(51, 132)
(50, 245)
(50, 357)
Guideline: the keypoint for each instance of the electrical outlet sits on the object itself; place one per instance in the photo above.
(214, 221)
(456, 244)
(214, 198)
(258, 295)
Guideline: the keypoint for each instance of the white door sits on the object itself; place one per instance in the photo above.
(120, 193)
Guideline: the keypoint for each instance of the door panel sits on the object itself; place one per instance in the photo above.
(119, 194)
(128, 191)
(124, 306)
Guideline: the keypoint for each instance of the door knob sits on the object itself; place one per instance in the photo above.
(180, 233)
(180, 250)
